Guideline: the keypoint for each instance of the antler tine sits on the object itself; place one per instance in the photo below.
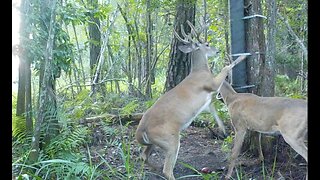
(193, 31)
(204, 24)
(185, 34)
(179, 38)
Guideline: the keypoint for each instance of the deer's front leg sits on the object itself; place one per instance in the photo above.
(238, 140)
(214, 113)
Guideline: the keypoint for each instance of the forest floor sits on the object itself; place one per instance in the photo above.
(200, 147)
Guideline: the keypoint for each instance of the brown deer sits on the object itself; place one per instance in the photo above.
(282, 115)
(175, 110)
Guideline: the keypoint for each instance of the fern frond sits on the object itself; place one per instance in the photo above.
(68, 140)
(19, 128)
(130, 107)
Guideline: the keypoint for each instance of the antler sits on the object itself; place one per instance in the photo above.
(188, 37)
(179, 38)
(194, 32)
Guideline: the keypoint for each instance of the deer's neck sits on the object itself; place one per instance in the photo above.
(227, 92)
(199, 62)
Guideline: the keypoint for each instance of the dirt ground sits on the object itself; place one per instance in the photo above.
(199, 148)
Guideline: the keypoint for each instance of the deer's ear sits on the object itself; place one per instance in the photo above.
(187, 48)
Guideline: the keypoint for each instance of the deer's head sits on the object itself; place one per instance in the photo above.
(192, 42)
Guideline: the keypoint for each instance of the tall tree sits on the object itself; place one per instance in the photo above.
(255, 44)
(269, 72)
(95, 44)
(179, 63)
(47, 101)
(24, 103)
(21, 100)
(132, 37)
(259, 68)
(149, 50)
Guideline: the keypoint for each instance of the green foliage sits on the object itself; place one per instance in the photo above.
(296, 13)
(111, 135)
(63, 52)
(286, 87)
(102, 11)
(150, 102)
(64, 157)
(69, 140)
(35, 47)
(239, 173)
(125, 155)
(56, 169)
(73, 13)
(222, 110)
(61, 158)
(227, 143)
(18, 127)
(112, 172)
(130, 107)
(78, 106)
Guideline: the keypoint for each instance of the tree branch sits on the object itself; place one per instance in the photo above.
(136, 117)
(292, 33)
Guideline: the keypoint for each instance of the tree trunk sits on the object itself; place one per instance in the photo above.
(180, 63)
(131, 36)
(21, 100)
(112, 60)
(268, 84)
(29, 114)
(140, 64)
(259, 69)
(255, 44)
(129, 67)
(226, 28)
(24, 104)
(80, 61)
(47, 98)
(149, 51)
(95, 44)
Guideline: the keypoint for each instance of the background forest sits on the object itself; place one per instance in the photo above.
(88, 69)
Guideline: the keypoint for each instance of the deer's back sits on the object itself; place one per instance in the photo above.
(266, 114)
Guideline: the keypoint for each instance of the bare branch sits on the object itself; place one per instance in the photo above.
(292, 33)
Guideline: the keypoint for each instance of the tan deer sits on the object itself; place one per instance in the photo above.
(175, 110)
(282, 115)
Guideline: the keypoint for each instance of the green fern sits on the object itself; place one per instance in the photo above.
(18, 122)
(62, 158)
(130, 107)
(149, 103)
(68, 141)
(18, 127)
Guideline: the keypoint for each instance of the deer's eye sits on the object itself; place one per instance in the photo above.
(207, 44)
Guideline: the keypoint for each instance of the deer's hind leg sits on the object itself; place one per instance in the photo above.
(170, 143)
(298, 145)
(146, 154)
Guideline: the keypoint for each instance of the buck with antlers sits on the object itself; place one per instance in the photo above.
(282, 115)
(174, 111)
